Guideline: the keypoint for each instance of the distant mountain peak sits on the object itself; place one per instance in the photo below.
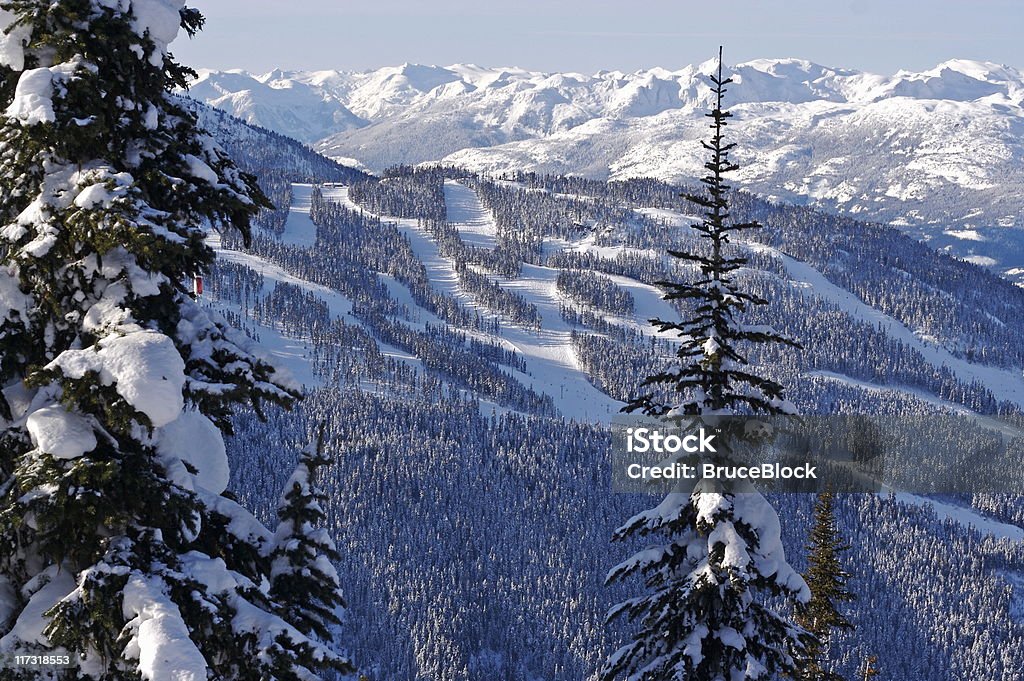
(939, 146)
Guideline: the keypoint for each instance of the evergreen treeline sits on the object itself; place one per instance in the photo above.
(403, 193)
(595, 290)
(508, 519)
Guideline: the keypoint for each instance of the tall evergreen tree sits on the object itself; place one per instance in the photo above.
(702, 618)
(117, 542)
(302, 576)
(827, 581)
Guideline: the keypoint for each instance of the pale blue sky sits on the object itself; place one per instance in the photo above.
(589, 35)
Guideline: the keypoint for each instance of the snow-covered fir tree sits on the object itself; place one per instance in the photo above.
(827, 580)
(118, 543)
(302, 576)
(719, 553)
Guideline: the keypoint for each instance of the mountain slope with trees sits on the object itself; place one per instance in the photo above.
(502, 508)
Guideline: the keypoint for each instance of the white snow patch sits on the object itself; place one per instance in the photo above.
(199, 168)
(192, 438)
(160, 640)
(44, 591)
(56, 431)
(33, 95)
(12, 44)
(160, 20)
(99, 192)
(966, 234)
(144, 367)
(93, 195)
(152, 119)
(981, 260)
(11, 297)
(467, 214)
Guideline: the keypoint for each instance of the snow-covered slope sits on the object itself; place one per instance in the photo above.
(551, 366)
(938, 147)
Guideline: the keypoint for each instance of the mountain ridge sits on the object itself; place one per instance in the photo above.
(939, 153)
(370, 94)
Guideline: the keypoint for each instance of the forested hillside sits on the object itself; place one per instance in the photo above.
(467, 339)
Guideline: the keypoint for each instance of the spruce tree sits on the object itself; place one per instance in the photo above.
(704, 617)
(302, 577)
(827, 581)
(118, 544)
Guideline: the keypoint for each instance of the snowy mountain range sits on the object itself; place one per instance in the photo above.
(940, 147)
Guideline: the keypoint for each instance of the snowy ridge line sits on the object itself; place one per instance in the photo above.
(945, 143)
